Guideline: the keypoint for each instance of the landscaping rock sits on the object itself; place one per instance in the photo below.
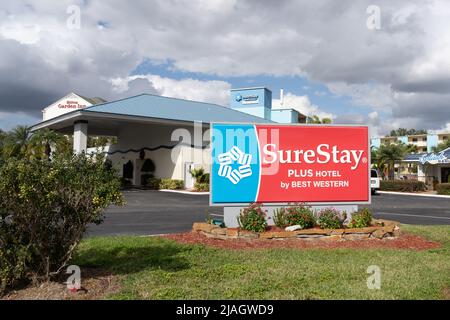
(293, 228)
(232, 233)
(202, 226)
(278, 234)
(248, 234)
(355, 236)
(219, 231)
(378, 234)
(311, 236)
(314, 231)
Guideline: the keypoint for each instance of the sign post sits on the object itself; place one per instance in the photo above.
(276, 164)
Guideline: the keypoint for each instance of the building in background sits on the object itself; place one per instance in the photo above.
(171, 132)
(424, 142)
(424, 165)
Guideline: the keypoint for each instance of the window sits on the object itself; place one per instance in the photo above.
(373, 174)
(414, 140)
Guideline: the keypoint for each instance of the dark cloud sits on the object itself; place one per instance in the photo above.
(325, 41)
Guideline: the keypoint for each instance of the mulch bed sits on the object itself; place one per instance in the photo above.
(95, 285)
(404, 241)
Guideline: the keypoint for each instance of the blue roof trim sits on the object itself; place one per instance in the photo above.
(153, 106)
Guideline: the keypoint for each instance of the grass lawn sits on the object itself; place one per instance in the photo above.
(155, 268)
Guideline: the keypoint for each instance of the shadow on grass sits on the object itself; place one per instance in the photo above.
(123, 259)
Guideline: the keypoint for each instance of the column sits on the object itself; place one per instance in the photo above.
(80, 134)
(421, 176)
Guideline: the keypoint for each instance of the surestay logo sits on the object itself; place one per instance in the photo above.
(232, 158)
(323, 154)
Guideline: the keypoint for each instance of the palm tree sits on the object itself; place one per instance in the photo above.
(411, 148)
(390, 154)
(316, 120)
(42, 141)
(197, 174)
(377, 162)
(16, 142)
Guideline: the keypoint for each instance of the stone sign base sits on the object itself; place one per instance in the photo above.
(381, 229)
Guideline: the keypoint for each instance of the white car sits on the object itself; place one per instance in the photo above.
(374, 181)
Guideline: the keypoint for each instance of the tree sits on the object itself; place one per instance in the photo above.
(45, 209)
(16, 142)
(101, 141)
(411, 148)
(406, 132)
(316, 120)
(442, 146)
(391, 153)
(42, 141)
(377, 162)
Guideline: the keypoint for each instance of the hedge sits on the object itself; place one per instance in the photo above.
(443, 189)
(171, 184)
(402, 185)
(201, 186)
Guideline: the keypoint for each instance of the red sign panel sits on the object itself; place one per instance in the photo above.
(291, 163)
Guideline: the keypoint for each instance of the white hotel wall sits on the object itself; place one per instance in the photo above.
(152, 136)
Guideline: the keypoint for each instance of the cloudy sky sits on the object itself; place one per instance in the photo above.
(331, 57)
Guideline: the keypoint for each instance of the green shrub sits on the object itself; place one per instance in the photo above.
(279, 218)
(153, 183)
(201, 186)
(253, 218)
(361, 219)
(300, 215)
(145, 178)
(199, 175)
(171, 184)
(45, 208)
(14, 258)
(443, 189)
(330, 218)
(125, 183)
(402, 185)
(204, 178)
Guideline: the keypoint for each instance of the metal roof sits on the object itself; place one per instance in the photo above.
(413, 156)
(148, 105)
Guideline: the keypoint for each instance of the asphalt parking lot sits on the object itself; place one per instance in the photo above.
(158, 212)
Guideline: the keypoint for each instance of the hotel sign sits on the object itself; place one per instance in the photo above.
(434, 158)
(277, 164)
(71, 104)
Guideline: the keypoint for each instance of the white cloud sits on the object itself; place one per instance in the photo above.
(379, 96)
(191, 89)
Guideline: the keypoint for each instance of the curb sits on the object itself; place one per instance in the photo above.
(414, 194)
(184, 192)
